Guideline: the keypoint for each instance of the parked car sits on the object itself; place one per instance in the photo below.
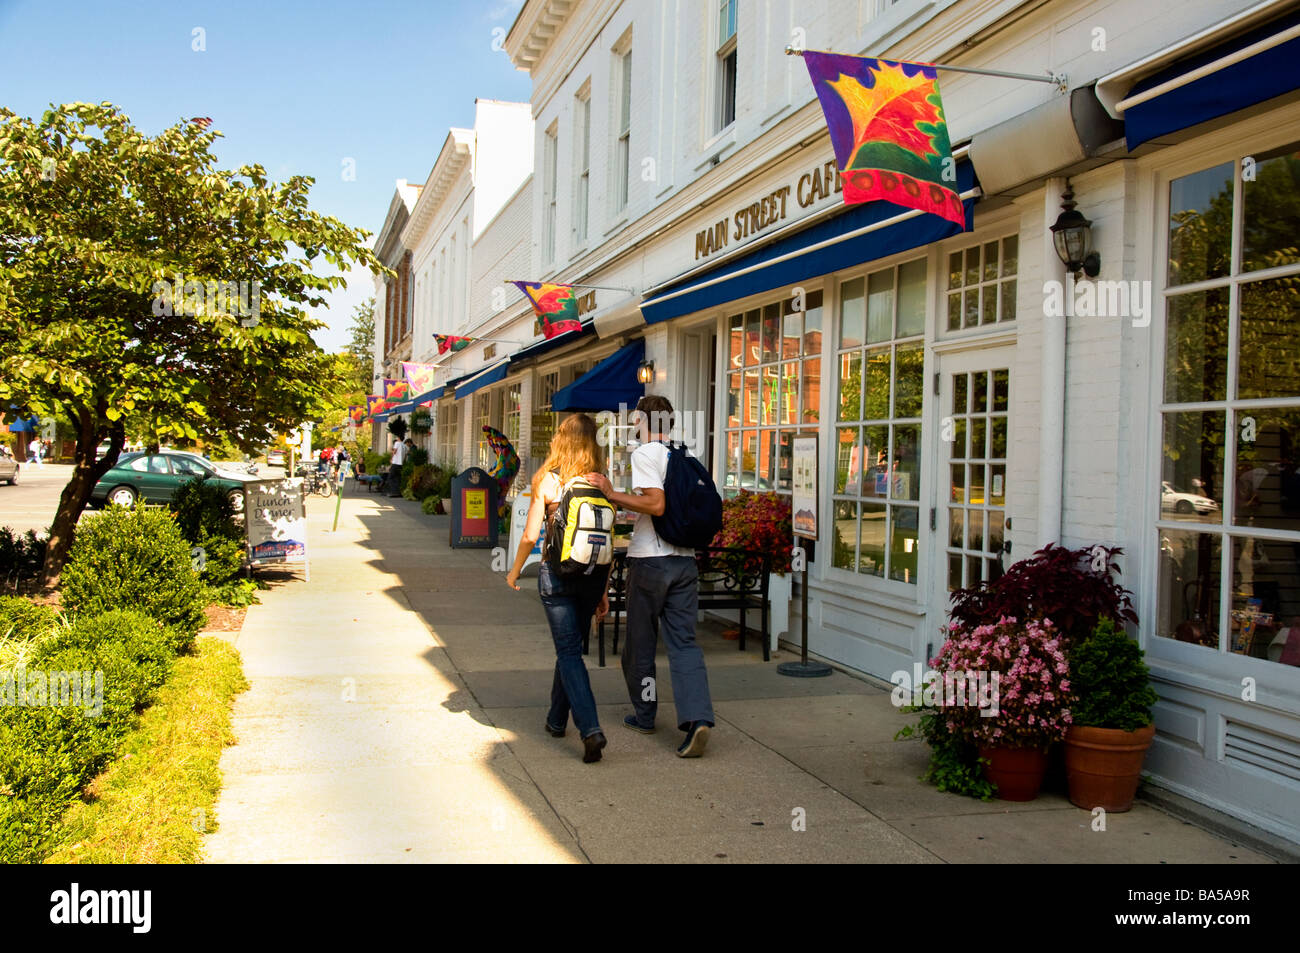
(1171, 499)
(154, 478)
(9, 467)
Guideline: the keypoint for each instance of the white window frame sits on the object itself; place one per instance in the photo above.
(725, 53)
(582, 185)
(550, 177)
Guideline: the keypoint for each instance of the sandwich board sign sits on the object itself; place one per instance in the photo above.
(518, 520)
(275, 515)
(473, 510)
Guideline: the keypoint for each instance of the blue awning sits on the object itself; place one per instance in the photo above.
(493, 374)
(607, 385)
(1268, 73)
(817, 250)
(25, 426)
(406, 406)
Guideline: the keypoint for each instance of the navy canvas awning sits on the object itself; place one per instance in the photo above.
(607, 385)
(406, 406)
(1234, 86)
(493, 374)
(817, 250)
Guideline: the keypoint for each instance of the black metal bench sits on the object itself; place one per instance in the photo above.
(729, 579)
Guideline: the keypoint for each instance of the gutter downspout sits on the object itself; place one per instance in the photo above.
(1051, 426)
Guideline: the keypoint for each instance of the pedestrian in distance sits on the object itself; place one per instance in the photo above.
(573, 577)
(662, 580)
(394, 477)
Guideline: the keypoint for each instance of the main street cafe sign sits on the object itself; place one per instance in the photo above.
(750, 220)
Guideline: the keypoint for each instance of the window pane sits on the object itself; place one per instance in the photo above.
(771, 384)
(1010, 255)
(788, 412)
(1270, 338)
(954, 312)
(990, 261)
(880, 306)
(959, 393)
(909, 382)
(954, 270)
(766, 460)
(1200, 225)
(906, 473)
(1188, 598)
(736, 332)
(751, 397)
(850, 395)
(871, 555)
(1008, 301)
(791, 334)
(975, 530)
(1265, 617)
(956, 526)
(811, 390)
(749, 460)
(979, 392)
(1191, 476)
(771, 332)
(971, 298)
(853, 312)
(989, 311)
(812, 324)
(1267, 484)
(875, 457)
(733, 400)
(1000, 390)
(957, 483)
(735, 462)
(876, 388)
(998, 484)
(959, 439)
(1196, 347)
(784, 460)
(1271, 209)
(972, 265)
(848, 461)
(978, 438)
(751, 337)
(904, 543)
(911, 298)
(844, 551)
(998, 438)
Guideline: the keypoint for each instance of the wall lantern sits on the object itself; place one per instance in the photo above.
(645, 374)
(1072, 236)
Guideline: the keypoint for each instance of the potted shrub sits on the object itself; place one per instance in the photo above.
(1112, 726)
(1023, 706)
(763, 522)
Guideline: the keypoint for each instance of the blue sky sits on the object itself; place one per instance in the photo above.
(296, 86)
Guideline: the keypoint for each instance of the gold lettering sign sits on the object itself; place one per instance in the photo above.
(757, 216)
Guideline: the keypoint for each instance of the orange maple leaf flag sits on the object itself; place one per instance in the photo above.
(888, 131)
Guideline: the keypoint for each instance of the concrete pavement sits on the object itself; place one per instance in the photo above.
(396, 714)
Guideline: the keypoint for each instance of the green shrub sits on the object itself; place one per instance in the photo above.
(148, 646)
(422, 480)
(207, 519)
(21, 558)
(134, 559)
(1110, 682)
(376, 460)
(23, 619)
(430, 505)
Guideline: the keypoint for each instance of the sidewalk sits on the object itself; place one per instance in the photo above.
(396, 714)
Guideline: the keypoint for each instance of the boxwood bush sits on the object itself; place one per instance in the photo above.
(23, 619)
(206, 519)
(135, 559)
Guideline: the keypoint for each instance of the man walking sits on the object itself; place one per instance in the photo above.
(662, 592)
(395, 468)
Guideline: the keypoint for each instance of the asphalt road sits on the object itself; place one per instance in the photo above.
(32, 502)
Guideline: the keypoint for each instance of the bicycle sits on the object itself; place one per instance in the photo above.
(313, 481)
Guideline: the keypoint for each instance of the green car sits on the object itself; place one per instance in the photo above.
(154, 477)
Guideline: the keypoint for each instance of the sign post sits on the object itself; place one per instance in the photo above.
(276, 522)
(804, 511)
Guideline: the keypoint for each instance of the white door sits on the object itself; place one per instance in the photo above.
(974, 434)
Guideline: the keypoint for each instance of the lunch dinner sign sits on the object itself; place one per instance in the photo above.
(276, 520)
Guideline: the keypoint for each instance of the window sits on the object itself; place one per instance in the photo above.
(1229, 523)
(982, 284)
(726, 69)
(623, 156)
(183, 466)
(149, 464)
(482, 418)
(448, 432)
(549, 173)
(547, 385)
(583, 189)
(511, 412)
(773, 391)
(877, 433)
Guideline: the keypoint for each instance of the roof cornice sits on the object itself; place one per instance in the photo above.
(454, 159)
(535, 29)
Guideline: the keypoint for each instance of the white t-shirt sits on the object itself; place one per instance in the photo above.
(649, 467)
(399, 454)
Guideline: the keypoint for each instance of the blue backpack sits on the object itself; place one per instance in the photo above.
(692, 507)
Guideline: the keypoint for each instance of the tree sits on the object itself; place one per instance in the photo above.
(144, 290)
(361, 346)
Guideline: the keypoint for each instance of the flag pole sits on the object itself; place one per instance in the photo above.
(574, 284)
(1056, 79)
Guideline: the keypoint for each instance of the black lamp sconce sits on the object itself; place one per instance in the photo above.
(645, 374)
(1072, 236)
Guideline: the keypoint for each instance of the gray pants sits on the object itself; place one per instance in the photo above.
(662, 593)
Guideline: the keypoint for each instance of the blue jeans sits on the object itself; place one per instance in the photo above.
(570, 604)
(662, 593)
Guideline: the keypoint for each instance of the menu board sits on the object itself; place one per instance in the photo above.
(275, 517)
(803, 504)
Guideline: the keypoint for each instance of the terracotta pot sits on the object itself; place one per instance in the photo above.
(1104, 764)
(1018, 772)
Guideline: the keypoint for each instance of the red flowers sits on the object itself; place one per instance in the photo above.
(759, 521)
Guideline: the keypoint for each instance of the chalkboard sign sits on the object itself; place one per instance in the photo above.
(275, 515)
(473, 510)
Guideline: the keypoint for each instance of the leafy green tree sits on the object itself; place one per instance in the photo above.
(121, 308)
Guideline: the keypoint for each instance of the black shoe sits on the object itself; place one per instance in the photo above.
(696, 740)
(631, 722)
(554, 732)
(591, 746)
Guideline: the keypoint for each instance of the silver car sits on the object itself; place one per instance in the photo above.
(9, 467)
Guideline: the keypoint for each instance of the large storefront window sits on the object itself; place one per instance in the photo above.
(448, 434)
(482, 418)
(1229, 530)
(773, 390)
(880, 357)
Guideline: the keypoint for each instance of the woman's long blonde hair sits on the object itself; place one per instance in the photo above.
(574, 451)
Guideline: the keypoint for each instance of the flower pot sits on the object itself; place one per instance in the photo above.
(1018, 772)
(1103, 765)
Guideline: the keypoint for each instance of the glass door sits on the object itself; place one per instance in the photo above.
(974, 428)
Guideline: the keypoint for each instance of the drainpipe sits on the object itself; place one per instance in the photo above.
(1051, 425)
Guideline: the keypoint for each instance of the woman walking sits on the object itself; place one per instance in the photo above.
(570, 602)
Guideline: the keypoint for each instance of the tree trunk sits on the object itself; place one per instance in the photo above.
(85, 474)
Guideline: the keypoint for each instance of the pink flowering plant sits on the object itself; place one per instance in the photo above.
(760, 521)
(1033, 683)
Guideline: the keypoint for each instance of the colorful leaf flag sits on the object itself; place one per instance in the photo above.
(419, 376)
(356, 413)
(554, 306)
(395, 390)
(375, 404)
(888, 131)
(448, 342)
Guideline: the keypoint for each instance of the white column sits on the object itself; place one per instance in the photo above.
(1051, 432)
